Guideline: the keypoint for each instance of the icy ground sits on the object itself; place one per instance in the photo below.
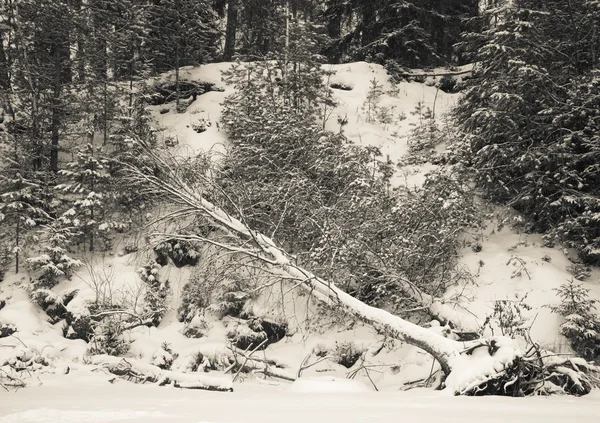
(91, 399)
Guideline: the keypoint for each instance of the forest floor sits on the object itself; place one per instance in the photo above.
(506, 265)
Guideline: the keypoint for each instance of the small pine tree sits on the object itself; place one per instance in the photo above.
(372, 100)
(55, 262)
(582, 324)
(87, 181)
(21, 208)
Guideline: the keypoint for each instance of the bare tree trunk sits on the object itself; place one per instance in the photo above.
(231, 30)
(55, 106)
(18, 240)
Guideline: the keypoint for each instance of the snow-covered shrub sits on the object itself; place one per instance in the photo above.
(448, 84)
(193, 332)
(275, 331)
(218, 288)
(582, 323)
(182, 253)
(198, 362)
(7, 329)
(108, 336)
(509, 317)
(196, 295)
(50, 302)
(156, 292)
(579, 271)
(164, 357)
(346, 353)
(201, 125)
(245, 338)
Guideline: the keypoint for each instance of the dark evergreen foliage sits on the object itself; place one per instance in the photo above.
(530, 117)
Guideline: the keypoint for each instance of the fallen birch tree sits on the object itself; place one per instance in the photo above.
(493, 365)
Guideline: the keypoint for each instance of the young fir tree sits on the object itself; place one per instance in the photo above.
(22, 207)
(54, 262)
(87, 185)
(582, 324)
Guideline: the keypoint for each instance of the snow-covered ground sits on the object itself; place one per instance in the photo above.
(400, 100)
(78, 398)
(507, 266)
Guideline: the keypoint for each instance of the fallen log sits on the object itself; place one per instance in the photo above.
(142, 373)
(471, 367)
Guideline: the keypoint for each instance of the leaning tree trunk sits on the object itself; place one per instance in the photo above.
(171, 185)
(465, 373)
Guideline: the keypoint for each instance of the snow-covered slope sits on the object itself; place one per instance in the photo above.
(400, 100)
(505, 265)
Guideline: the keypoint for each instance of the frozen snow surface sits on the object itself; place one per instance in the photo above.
(86, 398)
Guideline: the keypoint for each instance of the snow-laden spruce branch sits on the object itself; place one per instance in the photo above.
(466, 372)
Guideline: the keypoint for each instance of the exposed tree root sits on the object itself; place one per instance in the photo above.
(538, 373)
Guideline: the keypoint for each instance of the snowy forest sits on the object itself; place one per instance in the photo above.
(392, 201)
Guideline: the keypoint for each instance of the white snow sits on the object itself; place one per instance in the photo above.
(322, 394)
(328, 384)
(90, 398)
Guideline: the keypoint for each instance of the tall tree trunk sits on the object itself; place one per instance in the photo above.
(4, 76)
(368, 21)
(231, 30)
(178, 39)
(18, 240)
(92, 187)
(80, 55)
(56, 91)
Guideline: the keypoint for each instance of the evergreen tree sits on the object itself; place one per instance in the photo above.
(182, 33)
(529, 115)
(405, 33)
(87, 183)
(21, 208)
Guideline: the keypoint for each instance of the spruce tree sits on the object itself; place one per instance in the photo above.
(86, 185)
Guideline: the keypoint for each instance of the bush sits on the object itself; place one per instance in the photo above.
(509, 317)
(182, 253)
(196, 295)
(164, 357)
(108, 336)
(156, 293)
(347, 353)
(7, 330)
(244, 338)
